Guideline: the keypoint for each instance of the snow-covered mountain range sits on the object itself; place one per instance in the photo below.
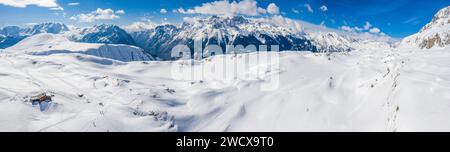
(236, 30)
(222, 31)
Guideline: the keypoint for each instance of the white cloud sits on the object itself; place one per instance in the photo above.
(226, 8)
(163, 11)
(295, 11)
(139, 26)
(273, 9)
(279, 20)
(29, 24)
(59, 8)
(366, 28)
(179, 10)
(375, 30)
(324, 8)
(73, 4)
(99, 14)
(190, 20)
(146, 18)
(25, 3)
(347, 28)
(120, 12)
(309, 8)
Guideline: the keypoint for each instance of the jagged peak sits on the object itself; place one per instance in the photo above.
(11, 27)
(218, 20)
(239, 19)
(434, 34)
(106, 26)
(11, 30)
(443, 13)
(166, 26)
(103, 28)
(51, 25)
(441, 18)
(48, 27)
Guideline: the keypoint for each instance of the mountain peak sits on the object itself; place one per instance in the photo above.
(48, 27)
(217, 21)
(11, 31)
(106, 33)
(443, 13)
(434, 34)
(239, 19)
(105, 27)
(441, 18)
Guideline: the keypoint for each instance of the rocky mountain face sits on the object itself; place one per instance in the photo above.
(434, 34)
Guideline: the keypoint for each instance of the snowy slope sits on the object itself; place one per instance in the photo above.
(363, 90)
(47, 44)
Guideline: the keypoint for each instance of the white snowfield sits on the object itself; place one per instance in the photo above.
(378, 89)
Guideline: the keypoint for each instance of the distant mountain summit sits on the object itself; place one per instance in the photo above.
(11, 31)
(48, 44)
(11, 35)
(108, 34)
(434, 34)
(53, 28)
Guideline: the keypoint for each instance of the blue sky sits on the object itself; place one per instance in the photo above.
(396, 18)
